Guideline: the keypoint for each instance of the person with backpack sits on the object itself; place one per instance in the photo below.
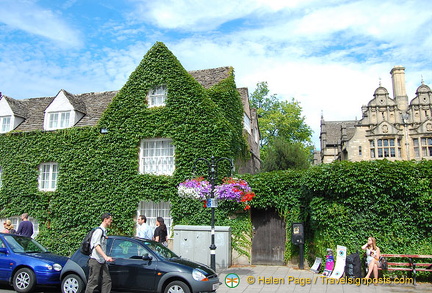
(97, 262)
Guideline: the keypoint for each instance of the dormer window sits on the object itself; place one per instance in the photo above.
(5, 124)
(157, 96)
(58, 120)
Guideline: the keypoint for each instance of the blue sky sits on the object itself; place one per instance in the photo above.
(328, 55)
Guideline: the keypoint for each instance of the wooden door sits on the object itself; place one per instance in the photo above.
(268, 242)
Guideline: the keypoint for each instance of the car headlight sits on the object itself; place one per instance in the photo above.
(57, 267)
(199, 275)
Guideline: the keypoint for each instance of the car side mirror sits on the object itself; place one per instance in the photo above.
(3, 250)
(146, 256)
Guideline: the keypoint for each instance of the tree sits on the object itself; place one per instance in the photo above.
(283, 155)
(280, 121)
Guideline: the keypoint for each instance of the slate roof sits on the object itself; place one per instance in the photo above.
(17, 107)
(334, 131)
(95, 103)
(209, 77)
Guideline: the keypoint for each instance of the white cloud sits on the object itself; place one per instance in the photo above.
(27, 16)
(328, 56)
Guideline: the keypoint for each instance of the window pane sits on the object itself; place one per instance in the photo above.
(417, 152)
(415, 142)
(157, 96)
(48, 177)
(5, 124)
(372, 143)
(64, 122)
(158, 157)
(152, 210)
(379, 142)
(380, 153)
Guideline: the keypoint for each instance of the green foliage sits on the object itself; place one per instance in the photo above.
(283, 155)
(340, 203)
(99, 172)
(279, 120)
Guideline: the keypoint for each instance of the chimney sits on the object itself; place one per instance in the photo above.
(399, 90)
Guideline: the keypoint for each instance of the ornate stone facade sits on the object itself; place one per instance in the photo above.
(390, 128)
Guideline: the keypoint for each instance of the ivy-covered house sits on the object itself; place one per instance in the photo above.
(67, 159)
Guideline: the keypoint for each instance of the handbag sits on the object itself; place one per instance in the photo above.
(383, 263)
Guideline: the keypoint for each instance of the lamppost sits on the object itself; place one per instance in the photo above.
(212, 166)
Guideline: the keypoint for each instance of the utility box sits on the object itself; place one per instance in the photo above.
(193, 242)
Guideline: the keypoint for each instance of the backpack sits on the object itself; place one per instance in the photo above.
(353, 266)
(85, 247)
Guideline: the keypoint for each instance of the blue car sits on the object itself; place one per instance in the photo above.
(25, 264)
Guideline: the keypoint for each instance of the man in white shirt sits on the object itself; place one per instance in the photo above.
(144, 230)
(98, 259)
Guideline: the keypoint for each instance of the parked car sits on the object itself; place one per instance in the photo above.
(25, 263)
(144, 266)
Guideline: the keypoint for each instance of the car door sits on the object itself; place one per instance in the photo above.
(129, 271)
(5, 262)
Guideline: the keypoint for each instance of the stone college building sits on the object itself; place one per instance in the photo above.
(390, 127)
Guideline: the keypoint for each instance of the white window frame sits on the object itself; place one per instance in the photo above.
(157, 156)
(157, 96)
(59, 120)
(48, 174)
(151, 210)
(5, 124)
(247, 123)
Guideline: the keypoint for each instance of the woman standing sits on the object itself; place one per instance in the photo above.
(373, 254)
(160, 233)
(8, 227)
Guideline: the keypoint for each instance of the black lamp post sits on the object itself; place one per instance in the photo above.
(212, 166)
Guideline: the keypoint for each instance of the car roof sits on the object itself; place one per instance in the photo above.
(130, 237)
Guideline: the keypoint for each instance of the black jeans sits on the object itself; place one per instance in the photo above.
(97, 270)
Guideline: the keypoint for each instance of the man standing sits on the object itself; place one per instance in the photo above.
(97, 263)
(25, 228)
(144, 230)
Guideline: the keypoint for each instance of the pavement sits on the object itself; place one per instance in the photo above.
(286, 279)
(257, 279)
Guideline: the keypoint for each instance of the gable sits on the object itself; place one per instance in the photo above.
(5, 109)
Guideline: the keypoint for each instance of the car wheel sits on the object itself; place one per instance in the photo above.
(72, 284)
(177, 287)
(24, 280)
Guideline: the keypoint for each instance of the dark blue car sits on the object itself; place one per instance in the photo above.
(25, 264)
(142, 265)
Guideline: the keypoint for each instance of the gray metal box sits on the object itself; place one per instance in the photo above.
(193, 242)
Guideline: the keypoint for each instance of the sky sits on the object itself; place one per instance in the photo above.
(330, 55)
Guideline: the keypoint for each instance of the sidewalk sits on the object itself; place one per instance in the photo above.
(254, 279)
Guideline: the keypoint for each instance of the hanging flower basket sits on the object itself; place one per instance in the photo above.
(196, 188)
(236, 190)
(231, 189)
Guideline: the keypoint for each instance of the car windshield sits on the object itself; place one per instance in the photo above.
(24, 244)
(160, 250)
